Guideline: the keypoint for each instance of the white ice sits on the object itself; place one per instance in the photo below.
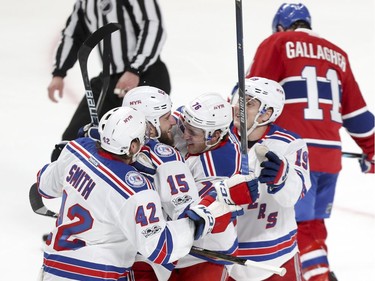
(201, 55)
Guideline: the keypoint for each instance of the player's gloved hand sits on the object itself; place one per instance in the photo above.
(367, 164)
(144, 163)
(212, 216)
(274, 169)
(89, 130)
(238, 190)
(57, 150)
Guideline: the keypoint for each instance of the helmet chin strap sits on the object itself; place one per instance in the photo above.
(157, 128)
(135, 155)
(256, 124)
(149, 127)
(208, 146)
(252, 128)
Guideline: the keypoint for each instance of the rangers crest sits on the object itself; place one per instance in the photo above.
(134, 179)
(164, 150)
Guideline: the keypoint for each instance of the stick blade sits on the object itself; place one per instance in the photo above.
(95, 38)
(37, 204)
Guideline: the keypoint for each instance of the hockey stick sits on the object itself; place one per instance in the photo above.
(83, 55)
(37, 204)
(352, 155)
(105, 74)
(39, 208)
(235, 260)
(241, 88)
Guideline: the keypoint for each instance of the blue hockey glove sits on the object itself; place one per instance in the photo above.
(238, 190)
(367, 164)
(274, 169)
(89, 130)
(212, 216)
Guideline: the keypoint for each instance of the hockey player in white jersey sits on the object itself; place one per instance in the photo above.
(279, 158)
(162, 164)
(213, 155)
(157, 159)
(109, 211)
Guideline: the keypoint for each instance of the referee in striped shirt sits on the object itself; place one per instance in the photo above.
(135, 51)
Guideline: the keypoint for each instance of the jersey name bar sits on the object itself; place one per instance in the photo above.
(79, 179)
(310, 50)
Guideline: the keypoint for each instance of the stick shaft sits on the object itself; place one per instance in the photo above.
(105, 75)
(241, 88)
(352, 155)
(83, 55)
(196, 251)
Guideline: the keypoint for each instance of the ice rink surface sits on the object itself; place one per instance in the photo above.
(201, 55)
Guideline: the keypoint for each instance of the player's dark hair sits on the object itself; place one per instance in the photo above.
(300, 24)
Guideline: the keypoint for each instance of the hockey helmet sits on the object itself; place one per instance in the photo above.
(151, 101)
(119, 127)
(288, 14)
(209, 112)
(269, 93)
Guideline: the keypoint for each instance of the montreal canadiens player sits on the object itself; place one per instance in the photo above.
(322, 97)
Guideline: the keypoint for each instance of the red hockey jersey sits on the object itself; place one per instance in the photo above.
(322, 94)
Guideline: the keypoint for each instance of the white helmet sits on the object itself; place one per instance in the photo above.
(119, 127)
(269, 93)
(151, 101)
(209, 112)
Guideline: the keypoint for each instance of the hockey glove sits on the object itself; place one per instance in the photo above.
(238, 190)
(212, 216)
(144, 163)
(57, 150)
(367, 164)
(274, 169)
(89, 130)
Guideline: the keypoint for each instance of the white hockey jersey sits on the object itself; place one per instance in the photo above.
(109, 212)
(207, 168)
(167, 170)
(267, 231)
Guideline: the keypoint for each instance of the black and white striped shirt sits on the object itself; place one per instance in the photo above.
(133, 48)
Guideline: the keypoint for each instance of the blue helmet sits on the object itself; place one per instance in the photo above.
(288, 14)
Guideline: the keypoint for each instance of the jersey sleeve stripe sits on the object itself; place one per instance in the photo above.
(100, 169)
(81, 270)
(281, 137)
(237, 148)
(266, 250)
(45, 195)
(355, 113)
(163, 249)
(208, 164)
(360, 125)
